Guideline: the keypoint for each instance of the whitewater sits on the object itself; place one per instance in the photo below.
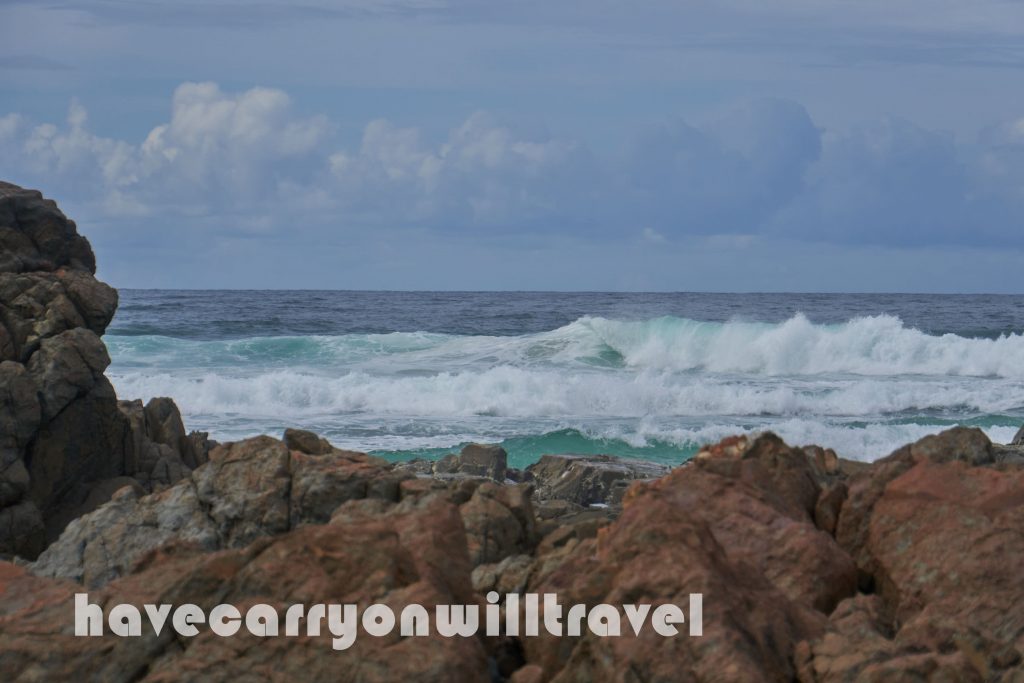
(655, 387)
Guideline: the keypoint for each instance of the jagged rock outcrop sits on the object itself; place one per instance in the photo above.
(63, 442)
(916, 580)
(936, 530)
(736, 525)
(811, 568)
(246, 490)
(413, 552)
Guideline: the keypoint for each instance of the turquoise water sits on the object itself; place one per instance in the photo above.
(652, 376)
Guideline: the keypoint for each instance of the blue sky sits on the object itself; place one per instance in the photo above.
(432, 144)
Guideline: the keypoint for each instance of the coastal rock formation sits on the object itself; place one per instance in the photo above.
(63, 441)
(918, 581)
(936, 528)
(811, 568)
(413, 553)
(246, 490)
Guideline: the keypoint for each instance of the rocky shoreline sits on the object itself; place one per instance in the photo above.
(812, 568)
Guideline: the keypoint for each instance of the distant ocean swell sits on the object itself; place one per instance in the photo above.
(650, 387)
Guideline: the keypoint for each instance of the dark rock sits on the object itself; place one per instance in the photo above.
(484, 461)
(19, 420)
(67, 366)
(160, 451)
(61, 434)
(36, 236)
(21, 530)
(589, 479)
(306, 442)
(247, 490)
(474, 461)
(84, 443)
(34, 306)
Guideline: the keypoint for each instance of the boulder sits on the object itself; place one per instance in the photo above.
(161, 452)
(658, 552)
(483, 461)
(936, 529)
(414, 554)
(589, 479)
(499, 522)
(36, 236)
(473, 461)
(65, 367)
(306, 442)
(247, 490)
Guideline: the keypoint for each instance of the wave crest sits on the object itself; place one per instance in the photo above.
(876, 345)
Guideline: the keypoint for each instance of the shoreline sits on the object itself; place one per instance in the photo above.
(810, 567)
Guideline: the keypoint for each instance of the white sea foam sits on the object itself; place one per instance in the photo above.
(877, 345)
(862, 387)
(517, 392)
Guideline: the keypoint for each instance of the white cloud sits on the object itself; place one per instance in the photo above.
(216, 149)
(481, 174)
(247, 163)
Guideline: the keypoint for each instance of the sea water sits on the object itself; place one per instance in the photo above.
(417, 374)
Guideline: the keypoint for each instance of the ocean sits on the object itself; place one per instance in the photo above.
(654, 376)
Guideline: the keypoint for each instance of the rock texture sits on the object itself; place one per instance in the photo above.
(589, 479)
(246, 490)
(912, 574)
(413, 553)
(812, 568)
(63, 439)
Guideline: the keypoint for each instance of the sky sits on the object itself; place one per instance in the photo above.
(735, 145)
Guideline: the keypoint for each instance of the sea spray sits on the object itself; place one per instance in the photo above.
(653, 388)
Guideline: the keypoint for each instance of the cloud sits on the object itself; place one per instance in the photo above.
(483, 174)
(216, 151)
(246, 162)
(728, 176)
